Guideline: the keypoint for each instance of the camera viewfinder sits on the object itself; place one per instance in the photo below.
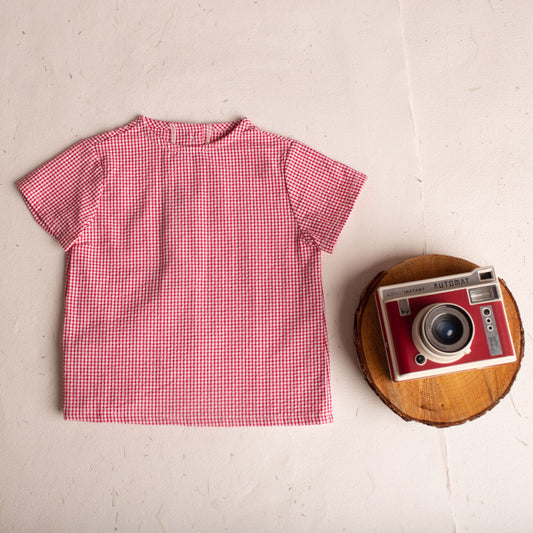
(483, 276)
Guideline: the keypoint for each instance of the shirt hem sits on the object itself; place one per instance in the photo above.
(140, 420)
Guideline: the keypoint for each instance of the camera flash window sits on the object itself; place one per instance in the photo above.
(483, 294)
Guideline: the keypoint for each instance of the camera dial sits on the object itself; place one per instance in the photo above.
(443, 332)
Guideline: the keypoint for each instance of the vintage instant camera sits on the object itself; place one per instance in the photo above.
(446, 324)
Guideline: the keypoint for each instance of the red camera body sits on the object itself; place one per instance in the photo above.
(443, 325)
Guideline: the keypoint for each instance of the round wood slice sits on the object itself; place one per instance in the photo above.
(439, 401)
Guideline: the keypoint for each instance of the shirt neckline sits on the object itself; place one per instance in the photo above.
(160, 131)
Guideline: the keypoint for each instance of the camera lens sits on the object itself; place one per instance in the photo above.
(448, 329)
(420, 359)
(443, 332)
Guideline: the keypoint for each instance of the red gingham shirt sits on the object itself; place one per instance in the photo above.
(193, 288)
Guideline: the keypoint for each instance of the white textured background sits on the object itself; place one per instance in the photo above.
(431, 99)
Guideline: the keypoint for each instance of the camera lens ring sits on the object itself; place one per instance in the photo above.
(443, 332)
(448, 328)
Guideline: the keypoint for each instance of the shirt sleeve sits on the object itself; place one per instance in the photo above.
(322, 193)
(63, 193)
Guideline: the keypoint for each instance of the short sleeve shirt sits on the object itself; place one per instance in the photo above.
(193, 290)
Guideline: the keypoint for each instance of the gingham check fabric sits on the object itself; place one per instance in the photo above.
(193, 288)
